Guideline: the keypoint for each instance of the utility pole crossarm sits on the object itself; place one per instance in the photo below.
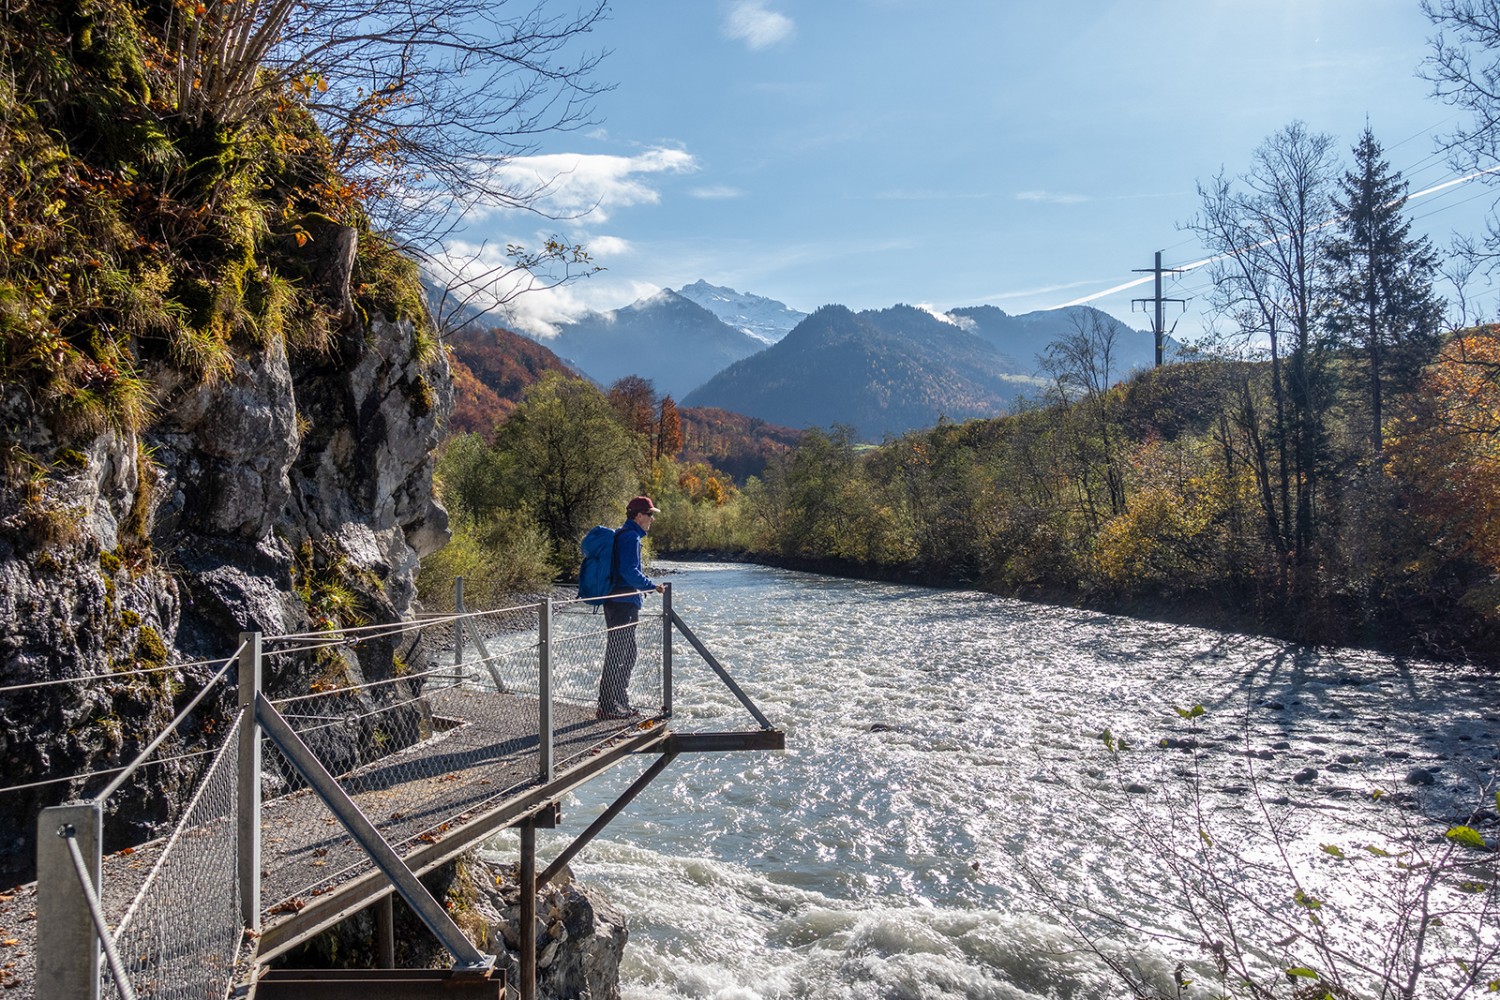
(1158, 325)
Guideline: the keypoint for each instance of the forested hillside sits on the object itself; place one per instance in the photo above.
(1325, 471)
(492, 367)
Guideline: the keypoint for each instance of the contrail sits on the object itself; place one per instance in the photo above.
(1233, 253)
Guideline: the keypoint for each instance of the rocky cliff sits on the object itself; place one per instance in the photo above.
(289, 494)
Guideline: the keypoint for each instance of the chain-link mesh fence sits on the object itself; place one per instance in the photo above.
(422, 753)
(181, 936)
(584, 645)
(419, 753)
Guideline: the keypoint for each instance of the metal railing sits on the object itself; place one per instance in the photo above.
(313, 788)
(179, 934)
(317, 786)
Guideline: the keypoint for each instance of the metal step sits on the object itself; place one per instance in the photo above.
(379, 984)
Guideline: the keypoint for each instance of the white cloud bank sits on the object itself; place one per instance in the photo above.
(482, 276)
(573, 185)
(755, 24)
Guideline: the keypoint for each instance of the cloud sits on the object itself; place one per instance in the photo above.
(538, 313)
(1051, 197)
(603, 247)
(571, 185)
(759, 27)
(938, 314)
(716, 192)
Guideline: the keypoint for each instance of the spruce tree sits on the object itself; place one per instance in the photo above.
(1382, 303)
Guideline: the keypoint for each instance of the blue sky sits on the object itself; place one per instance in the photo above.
(956, 152)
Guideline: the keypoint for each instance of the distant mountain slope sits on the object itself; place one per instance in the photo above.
(1025, 338)
(491, 368)
(674, 342)
(762, 318)
(882, 372)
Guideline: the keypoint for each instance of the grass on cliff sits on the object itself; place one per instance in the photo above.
(144, 251)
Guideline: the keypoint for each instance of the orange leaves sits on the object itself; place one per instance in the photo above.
(1448, 451)
(307, 83)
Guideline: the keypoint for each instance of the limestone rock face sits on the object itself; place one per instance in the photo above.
(579, 938)
(249, 493)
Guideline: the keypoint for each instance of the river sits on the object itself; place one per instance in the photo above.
(941, 745)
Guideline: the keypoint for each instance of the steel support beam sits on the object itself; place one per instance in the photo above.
(247, 808)
(708, 658)
(368, 837)
(323, 912)
(385, 931)
(606, 817)
(757, 739)
(547, 767)
(666, 651)
(378, 984)
(526, 933)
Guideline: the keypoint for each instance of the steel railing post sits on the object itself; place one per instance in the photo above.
(67, 945)
(248, 803)
(527, 930)
(458, 625)
(544, 694)
(666, 650)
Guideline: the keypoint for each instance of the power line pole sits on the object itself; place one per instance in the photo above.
(1159, 326)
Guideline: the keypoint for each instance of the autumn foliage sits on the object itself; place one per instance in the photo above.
(1446, 454)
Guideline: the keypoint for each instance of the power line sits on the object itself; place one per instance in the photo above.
(1134, 283)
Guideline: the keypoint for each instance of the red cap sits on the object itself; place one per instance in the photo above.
(641, 505)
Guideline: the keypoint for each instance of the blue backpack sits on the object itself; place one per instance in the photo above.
(596, 576)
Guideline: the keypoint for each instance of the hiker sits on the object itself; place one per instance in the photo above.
(622, 613)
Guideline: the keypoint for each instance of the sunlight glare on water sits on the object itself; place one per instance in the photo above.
(933, 738)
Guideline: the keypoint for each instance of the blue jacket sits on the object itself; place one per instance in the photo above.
(628, 563)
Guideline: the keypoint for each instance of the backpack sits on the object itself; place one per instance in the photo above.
(597, 574)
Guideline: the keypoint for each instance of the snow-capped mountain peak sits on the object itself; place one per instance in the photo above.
(764, 319)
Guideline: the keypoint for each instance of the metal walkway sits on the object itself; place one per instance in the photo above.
(364, 788)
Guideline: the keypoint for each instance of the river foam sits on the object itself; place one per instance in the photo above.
(943, 744)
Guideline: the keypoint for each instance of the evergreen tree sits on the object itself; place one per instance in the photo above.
(1382, 301)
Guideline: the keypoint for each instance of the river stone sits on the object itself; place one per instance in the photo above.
(1419, 776)
(580, 939)
(1305, 775)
